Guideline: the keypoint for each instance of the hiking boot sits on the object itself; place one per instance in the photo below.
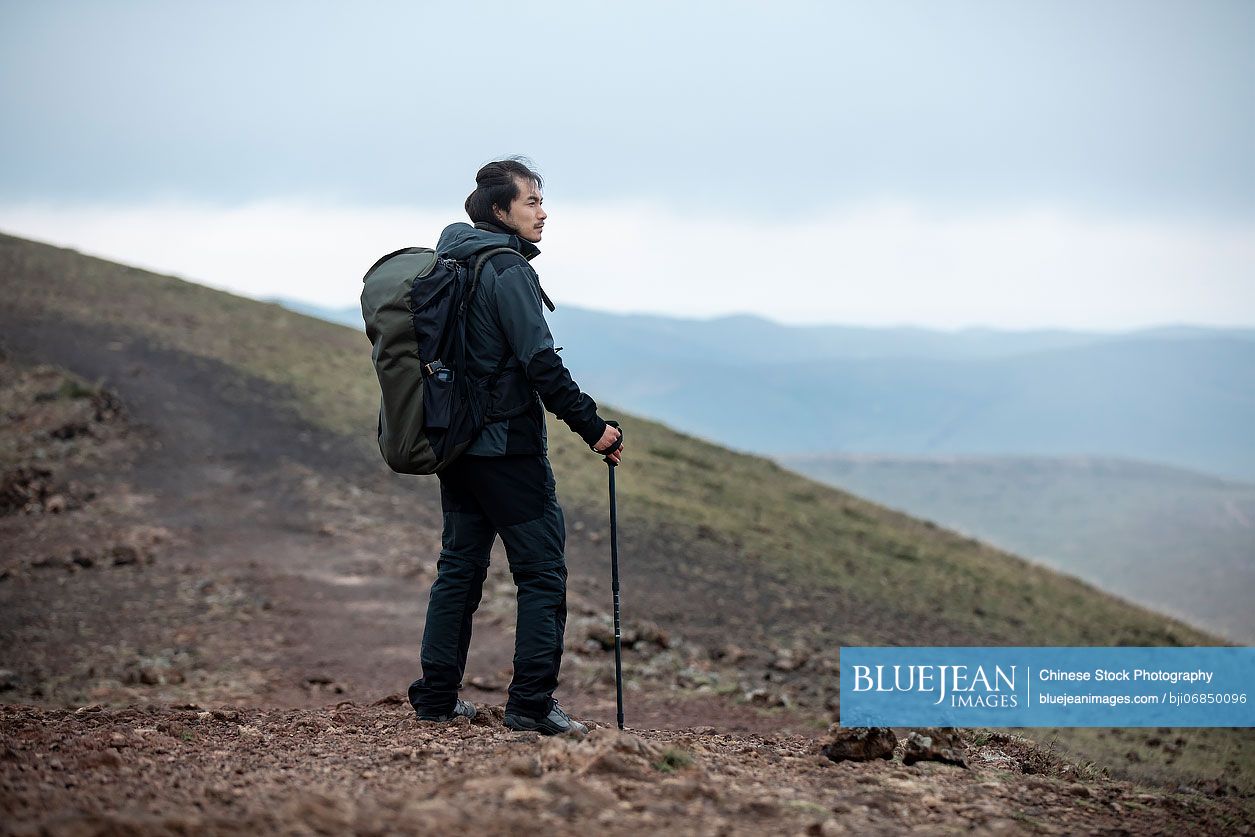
(461, 708)
(556, 722)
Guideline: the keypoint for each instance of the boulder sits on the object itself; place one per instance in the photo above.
(859, 743)
(944, 745)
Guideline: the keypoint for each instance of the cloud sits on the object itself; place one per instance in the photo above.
(877, 264)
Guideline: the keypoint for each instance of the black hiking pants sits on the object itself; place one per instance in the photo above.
(482, 497)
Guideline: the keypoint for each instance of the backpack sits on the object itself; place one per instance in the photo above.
(414, 304)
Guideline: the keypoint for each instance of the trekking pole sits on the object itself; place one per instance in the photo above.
(614, 578)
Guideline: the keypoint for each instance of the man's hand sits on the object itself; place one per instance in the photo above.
(608, 438)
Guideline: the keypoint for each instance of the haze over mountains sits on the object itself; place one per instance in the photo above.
(1182, 396)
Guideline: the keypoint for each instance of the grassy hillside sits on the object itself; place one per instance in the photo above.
(1177, 541)
(745, 511)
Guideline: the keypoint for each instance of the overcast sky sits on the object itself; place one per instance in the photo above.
(1082, 164)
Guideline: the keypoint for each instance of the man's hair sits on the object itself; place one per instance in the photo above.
(497, 184)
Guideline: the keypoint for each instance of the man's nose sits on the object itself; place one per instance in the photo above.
(542, 214)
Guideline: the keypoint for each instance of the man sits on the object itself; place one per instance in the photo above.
(503, 484)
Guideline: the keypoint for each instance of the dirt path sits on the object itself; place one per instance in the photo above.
(289, 570)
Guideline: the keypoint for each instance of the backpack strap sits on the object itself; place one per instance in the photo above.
(481, 259)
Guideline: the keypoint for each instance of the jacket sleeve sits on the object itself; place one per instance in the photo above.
(519, 313)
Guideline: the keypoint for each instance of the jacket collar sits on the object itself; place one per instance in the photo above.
(528, 249)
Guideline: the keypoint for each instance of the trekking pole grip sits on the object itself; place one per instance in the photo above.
(617, 444)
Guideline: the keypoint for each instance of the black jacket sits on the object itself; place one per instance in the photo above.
(505, 321)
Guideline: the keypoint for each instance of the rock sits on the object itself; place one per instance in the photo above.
(732, 654)
(81, 558)
(606, 752)
(603, 635)
(124, 554)
(394, 699)
(789, 659)
(484, 683)
(9, 680)
(932, 744)
(859, 743)
(653, 633)
(24, 490)
(763, 697)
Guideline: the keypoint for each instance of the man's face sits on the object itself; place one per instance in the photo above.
(527, 214)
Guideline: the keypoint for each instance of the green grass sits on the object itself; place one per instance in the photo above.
(1154, 533)
(672, 760)
(71, 389)
(1161, 756)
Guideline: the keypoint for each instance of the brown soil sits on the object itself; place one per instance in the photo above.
(209, 609)
(374, 769)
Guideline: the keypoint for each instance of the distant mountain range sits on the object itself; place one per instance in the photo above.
(1182, 396)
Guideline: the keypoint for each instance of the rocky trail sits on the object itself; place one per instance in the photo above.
(209, 611)
(375, 769)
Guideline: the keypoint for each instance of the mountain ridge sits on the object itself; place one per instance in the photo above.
(1172, 394)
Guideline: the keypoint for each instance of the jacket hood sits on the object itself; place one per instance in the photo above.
(461, 241)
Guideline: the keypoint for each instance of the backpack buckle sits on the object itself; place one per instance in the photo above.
(439, 371)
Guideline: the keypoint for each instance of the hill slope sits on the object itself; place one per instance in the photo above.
(194, 513)
(896, 579)
(1177, 541)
